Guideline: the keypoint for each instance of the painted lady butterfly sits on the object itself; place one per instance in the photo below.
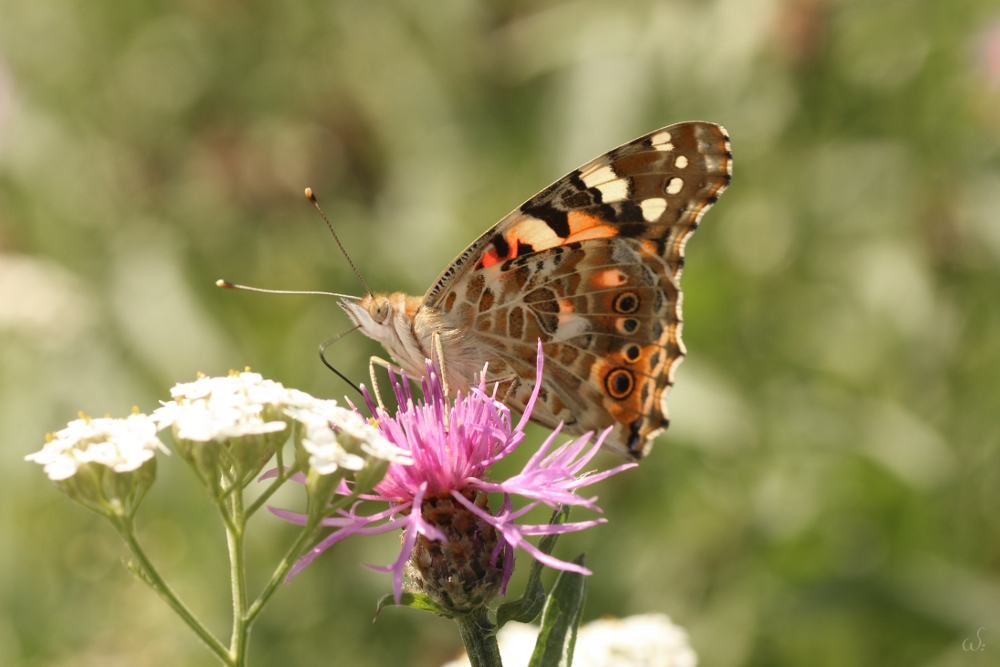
(591, 266)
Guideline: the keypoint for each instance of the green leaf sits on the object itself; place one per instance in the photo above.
(416, 601)
(526, 608)
(560, 620)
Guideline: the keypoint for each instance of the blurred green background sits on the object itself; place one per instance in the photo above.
(829, 491)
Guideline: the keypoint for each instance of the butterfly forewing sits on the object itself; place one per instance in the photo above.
(591, 266)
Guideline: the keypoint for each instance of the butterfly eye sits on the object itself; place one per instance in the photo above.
(379, 309)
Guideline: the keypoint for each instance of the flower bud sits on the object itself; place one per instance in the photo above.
(321, 489)
(373, 472)
(461, 572)
(206, 459)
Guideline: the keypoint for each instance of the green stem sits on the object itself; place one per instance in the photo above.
(237, 569)
(155, 581)
(480, 644)
(291, 556)
(308, 534)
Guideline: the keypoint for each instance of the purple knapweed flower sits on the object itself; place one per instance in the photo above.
(454, 548)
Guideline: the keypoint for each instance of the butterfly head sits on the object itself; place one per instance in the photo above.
(388, 319)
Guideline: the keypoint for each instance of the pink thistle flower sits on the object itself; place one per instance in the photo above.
(439, 500)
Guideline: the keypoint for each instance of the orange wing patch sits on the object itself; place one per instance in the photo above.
(529, 235)
(584, 227)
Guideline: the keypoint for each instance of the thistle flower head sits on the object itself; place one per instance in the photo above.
(455, 548)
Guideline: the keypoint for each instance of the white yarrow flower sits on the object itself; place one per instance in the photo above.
(122, 445)
(326, 455)
(325, 422)
(649, 640)
(223, 407)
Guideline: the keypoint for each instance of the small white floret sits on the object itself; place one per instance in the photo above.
(326, 455)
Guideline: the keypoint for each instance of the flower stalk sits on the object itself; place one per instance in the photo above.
(144, 569)
(237, 572)
(479, 638)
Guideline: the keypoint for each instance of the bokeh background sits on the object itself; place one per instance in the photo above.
(829, 491)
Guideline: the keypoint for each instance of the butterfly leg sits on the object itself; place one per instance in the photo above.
(442, 369)
(510, 380)
(439, 360)
(379, 361)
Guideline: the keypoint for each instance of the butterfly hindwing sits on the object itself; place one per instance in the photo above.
(591, 266)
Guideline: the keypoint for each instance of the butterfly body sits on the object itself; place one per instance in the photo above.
(407, 333)
(591, 267)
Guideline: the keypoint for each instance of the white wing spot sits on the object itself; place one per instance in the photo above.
(609, 278)
(675, 185)
(613, 191)
(653, 208)
(592, 178)
(681, 162)
(661, 141)
(570, 326)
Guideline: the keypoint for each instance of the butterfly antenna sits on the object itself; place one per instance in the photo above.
(229, 285)
(322, 355)
(312, 198)
(325, 344)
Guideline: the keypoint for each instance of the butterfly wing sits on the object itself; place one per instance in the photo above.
(591, 266)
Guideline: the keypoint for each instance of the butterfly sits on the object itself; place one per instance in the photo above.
(591, 266)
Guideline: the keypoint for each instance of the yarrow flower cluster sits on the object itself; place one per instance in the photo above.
(105, 464)
(227, 428)
(211, 413)
(119, 444)
(454, 547)
(216, 408)
(647, 640)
